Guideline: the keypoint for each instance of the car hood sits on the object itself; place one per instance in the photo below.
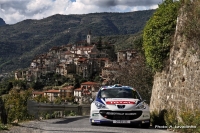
(119, 103)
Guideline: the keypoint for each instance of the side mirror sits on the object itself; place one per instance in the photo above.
(91, 100)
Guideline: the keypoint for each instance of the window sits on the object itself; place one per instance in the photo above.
(119, 93)
(55, 94)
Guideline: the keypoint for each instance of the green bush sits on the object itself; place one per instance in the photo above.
(3, 127)
(72, 113)
(170, 118)
(158, 33)
(190, 118)
(188, 122)
(48, 116)
(157, 118)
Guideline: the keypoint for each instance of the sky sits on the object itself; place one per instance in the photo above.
(14, 11)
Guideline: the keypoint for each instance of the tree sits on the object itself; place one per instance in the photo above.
(16, 105)
(41, 98)
(138, 75)
(99, 43)
(158, 33)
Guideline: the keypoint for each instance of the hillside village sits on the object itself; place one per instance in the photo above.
(84, 58)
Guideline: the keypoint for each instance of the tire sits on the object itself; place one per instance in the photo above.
(93, 124)
(145, 125)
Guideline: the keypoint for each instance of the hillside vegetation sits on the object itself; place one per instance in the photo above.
(158, 34)
(22, 41)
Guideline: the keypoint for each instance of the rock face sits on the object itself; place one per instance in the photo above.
(178, 85)
(2, 22)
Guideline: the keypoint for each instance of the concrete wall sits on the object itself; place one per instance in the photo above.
(178, 84)
(36, 109)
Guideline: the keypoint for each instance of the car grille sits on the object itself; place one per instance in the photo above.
(120, 115)
(121, 106)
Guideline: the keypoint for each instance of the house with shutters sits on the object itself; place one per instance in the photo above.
(37, 93)
(86, 91)
(89, 90)
(52, 94)
(77, 95)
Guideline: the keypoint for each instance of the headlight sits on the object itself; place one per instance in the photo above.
(99, 105)
(141, 106)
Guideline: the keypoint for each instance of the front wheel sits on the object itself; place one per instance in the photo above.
(93, 124)
(145, 125)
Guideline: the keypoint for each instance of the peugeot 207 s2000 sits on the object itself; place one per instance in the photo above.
(119, 104)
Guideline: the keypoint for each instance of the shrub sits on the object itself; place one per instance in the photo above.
(158, 33)
(170, 118)
(48, 116)
(157, 118)
(190, 118)
(188, 122)
(3, 127)
(72, 113)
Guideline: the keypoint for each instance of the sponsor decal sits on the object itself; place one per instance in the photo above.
(121, 121)
(102, 100)
(98, 121)
(118, 113)
(120, 102)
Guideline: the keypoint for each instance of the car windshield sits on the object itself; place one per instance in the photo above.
(119, 93)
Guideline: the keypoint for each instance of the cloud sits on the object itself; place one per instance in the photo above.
(109, 3)
(13, 11)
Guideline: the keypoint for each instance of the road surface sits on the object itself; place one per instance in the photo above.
(76, 124)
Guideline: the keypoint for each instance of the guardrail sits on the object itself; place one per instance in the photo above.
(35, 108)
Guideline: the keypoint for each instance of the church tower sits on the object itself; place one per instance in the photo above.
(89, 37)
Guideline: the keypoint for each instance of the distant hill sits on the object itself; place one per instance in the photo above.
(22, 41)
(2, 22)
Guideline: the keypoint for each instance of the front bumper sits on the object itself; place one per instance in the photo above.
(119, 117)
(112, 122)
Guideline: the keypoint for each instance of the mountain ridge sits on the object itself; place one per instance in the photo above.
(20, 42)
(2, 22)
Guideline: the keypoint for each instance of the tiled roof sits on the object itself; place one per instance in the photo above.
(68, 52)
(52, 91)
(89, 83)
(78, 89)
(67, 88)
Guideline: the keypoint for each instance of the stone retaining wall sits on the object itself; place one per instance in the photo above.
(178, 85)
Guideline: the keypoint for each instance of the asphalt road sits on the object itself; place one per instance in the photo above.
(77, 124)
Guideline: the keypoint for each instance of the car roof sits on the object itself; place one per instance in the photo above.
(116, 86)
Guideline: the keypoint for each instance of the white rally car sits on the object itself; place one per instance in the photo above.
(119, 104)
